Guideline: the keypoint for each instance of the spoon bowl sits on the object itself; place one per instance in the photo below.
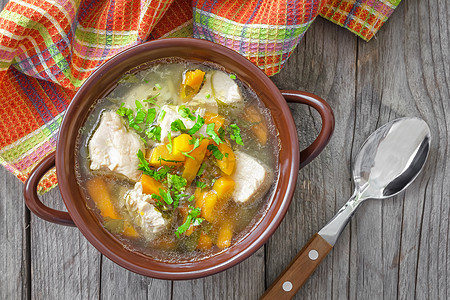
(391, 158)
(388, 162)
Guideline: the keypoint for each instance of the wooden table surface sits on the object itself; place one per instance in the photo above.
(397, 248)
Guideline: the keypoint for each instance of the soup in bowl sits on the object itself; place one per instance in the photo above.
(178, 158)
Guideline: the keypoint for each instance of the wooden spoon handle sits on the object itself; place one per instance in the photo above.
(299, 270)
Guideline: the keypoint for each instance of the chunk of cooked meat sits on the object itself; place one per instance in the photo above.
(225, 89)
(114, 147)
(143, 212)
(252, 178)
(170, 115)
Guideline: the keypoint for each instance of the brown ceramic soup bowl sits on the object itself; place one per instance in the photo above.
(103, 81)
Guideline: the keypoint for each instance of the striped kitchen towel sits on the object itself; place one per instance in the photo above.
(49, 47)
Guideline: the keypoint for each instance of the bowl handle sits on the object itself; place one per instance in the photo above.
(326, 113)
(32, 200)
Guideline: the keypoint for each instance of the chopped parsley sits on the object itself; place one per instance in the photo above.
(232, 76)
(141, 117)
(162, 114)
(152, 100)
(210, 131)
(154, 133)
(140, 112)
(176, 182)
(202, 168)
(169, 160)
(151, 115)
(145, 168)
(215, 151)
(166, 196)
(198, 124)
(156, 197)
(169, 145)
(128, 112)
(186, 113)
(158, 86)
(208, 96)
(236, 134)
(192, 218)
(191, 198)
(177, 125)
(200, 184)
(188, 155)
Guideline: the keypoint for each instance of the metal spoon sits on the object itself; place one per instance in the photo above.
(389, 160)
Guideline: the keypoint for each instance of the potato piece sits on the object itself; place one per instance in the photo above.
(228, 162)
(210, 200)
(218, 120)
(199, 195)
(259, 126)
(129, 231)
(191, 166)
(98, 190)
(150, 185)
(161, 157)
(191, 84)
(204, 242)
(224, 187)
(181, 144)
(194, 79)
(225, 235)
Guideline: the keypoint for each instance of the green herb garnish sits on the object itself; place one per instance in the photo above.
(208, 96)
(166, 196)
(128, 112)
(192, 218)
(186, 113)
(152, 100)
(151, 115)
(156, 197)
(200, 184)
(169, 145)
(158, 86)
(232, 76)
(154, 133)
(215, 151)
(198, 124)
(177, 125)
(144, 166)
(191, 198)
(210, 131)
(176, 182)
(162, 114)
(202, 168)
(169, 160)
(188, 155)
(236, 134)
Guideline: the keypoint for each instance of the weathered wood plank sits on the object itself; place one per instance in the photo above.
(14, 233)
(64, 265)
(119, 283)
(244, 281)
(402, 73)
(324, 64)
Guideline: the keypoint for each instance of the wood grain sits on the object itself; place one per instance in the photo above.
(64, 265)
(393, 249)
(14, 237)
(324, 64)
